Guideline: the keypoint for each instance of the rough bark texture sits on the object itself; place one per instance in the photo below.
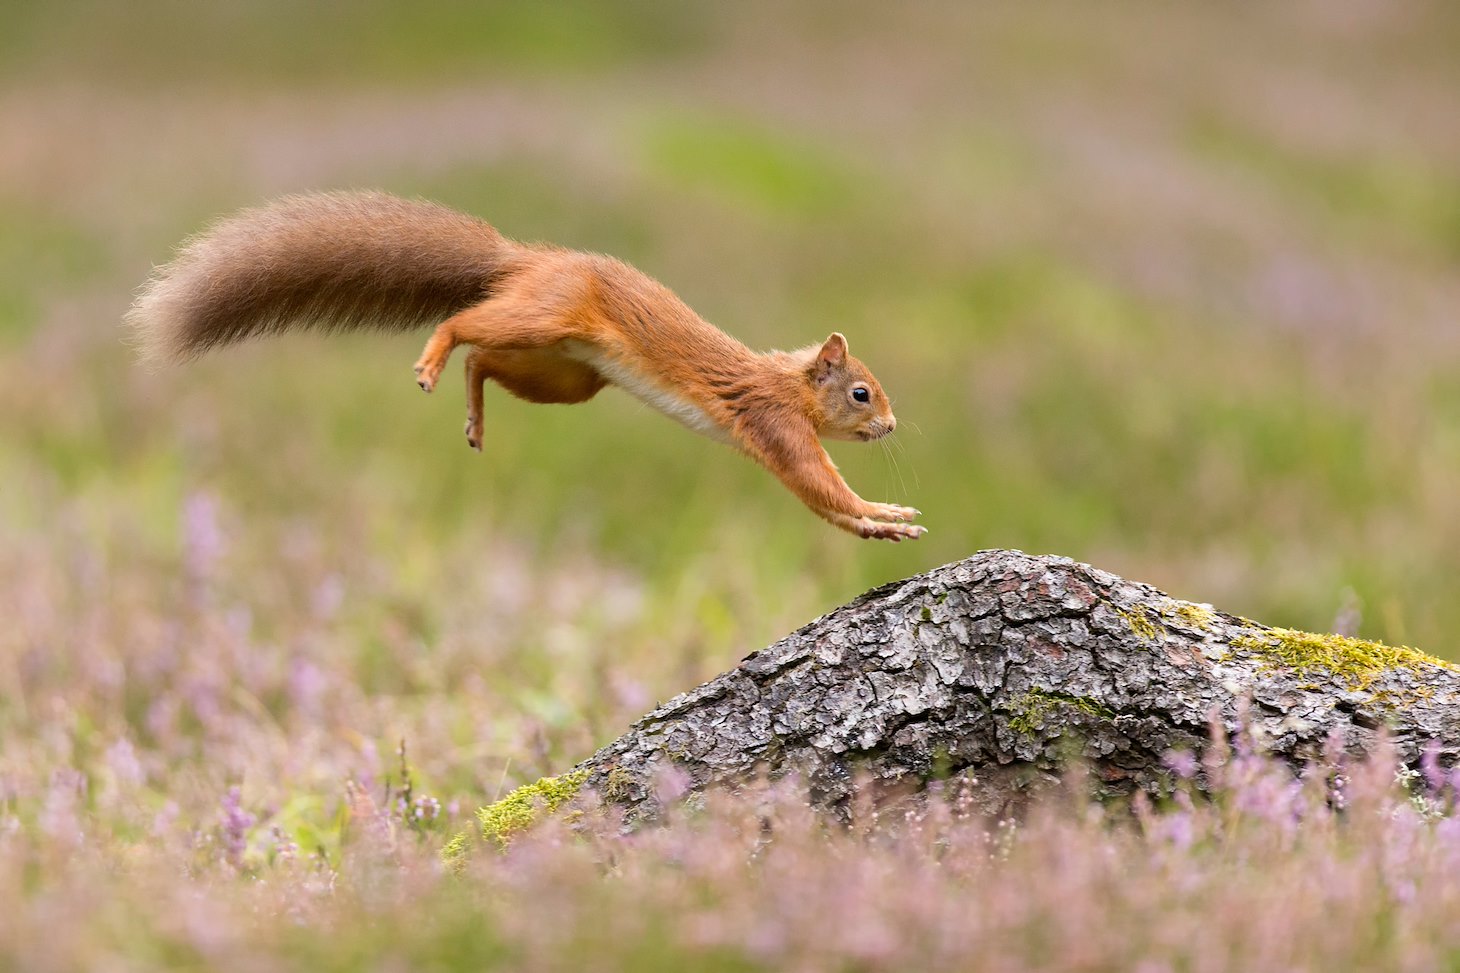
(1003, 665)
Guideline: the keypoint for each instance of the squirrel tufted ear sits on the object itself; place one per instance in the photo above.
(834, 352)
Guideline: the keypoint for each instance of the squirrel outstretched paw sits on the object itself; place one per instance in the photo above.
(891, 511)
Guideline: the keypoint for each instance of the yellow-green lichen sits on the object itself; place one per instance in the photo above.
(1030, 708)
(1191, 615)
(517, 811)
(1355, 662)
(1139, 623)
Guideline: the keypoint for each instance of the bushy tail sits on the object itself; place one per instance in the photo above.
(333, 261)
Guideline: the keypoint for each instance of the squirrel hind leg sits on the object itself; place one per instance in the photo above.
(542, 375)
(501, 325)
(536, 376)
(476, 377)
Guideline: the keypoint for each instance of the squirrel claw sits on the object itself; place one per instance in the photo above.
(895, 532)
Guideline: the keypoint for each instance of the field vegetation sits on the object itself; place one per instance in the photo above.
(1168, 289)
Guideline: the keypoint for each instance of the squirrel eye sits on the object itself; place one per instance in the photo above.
(861, 394)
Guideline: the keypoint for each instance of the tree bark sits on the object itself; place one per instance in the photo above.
(1002, 666)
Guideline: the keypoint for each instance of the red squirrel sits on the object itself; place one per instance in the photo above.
(546, 323)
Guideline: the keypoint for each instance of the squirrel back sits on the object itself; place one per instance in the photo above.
(330, 261)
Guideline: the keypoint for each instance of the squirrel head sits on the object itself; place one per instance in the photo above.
(851, 403)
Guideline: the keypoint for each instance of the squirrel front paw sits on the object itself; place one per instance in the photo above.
(880, 530)
(891, 511)
(474, 432)
(427, 373)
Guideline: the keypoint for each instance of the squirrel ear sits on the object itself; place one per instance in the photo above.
(834, 352)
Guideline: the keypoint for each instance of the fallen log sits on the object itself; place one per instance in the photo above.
(998, 670)
(1002, 666)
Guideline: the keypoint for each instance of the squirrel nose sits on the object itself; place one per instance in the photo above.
(891, 423)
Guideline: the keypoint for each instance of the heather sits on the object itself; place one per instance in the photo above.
(1350, 867)
(1171, 290)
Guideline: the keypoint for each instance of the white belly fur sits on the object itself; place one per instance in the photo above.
(646, 390)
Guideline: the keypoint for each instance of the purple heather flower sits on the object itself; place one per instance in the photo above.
(235, 822)
(1429, 766)
(285, 848)
(1182, 763)
(425, 809)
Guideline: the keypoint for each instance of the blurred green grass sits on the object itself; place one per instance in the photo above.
(1129, 312)
(268, 42)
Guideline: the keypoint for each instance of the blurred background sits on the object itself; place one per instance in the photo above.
(1169, 288)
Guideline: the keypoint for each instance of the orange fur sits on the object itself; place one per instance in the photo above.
(547, 324)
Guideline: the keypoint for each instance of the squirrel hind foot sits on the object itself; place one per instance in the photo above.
(473, 432)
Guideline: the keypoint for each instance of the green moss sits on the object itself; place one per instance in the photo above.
(1139, 623)
(618, 785)
(1355, 662)
(927, 614)
(455, 851)
(1030, 708)
(517, 811)
(1146, 620)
